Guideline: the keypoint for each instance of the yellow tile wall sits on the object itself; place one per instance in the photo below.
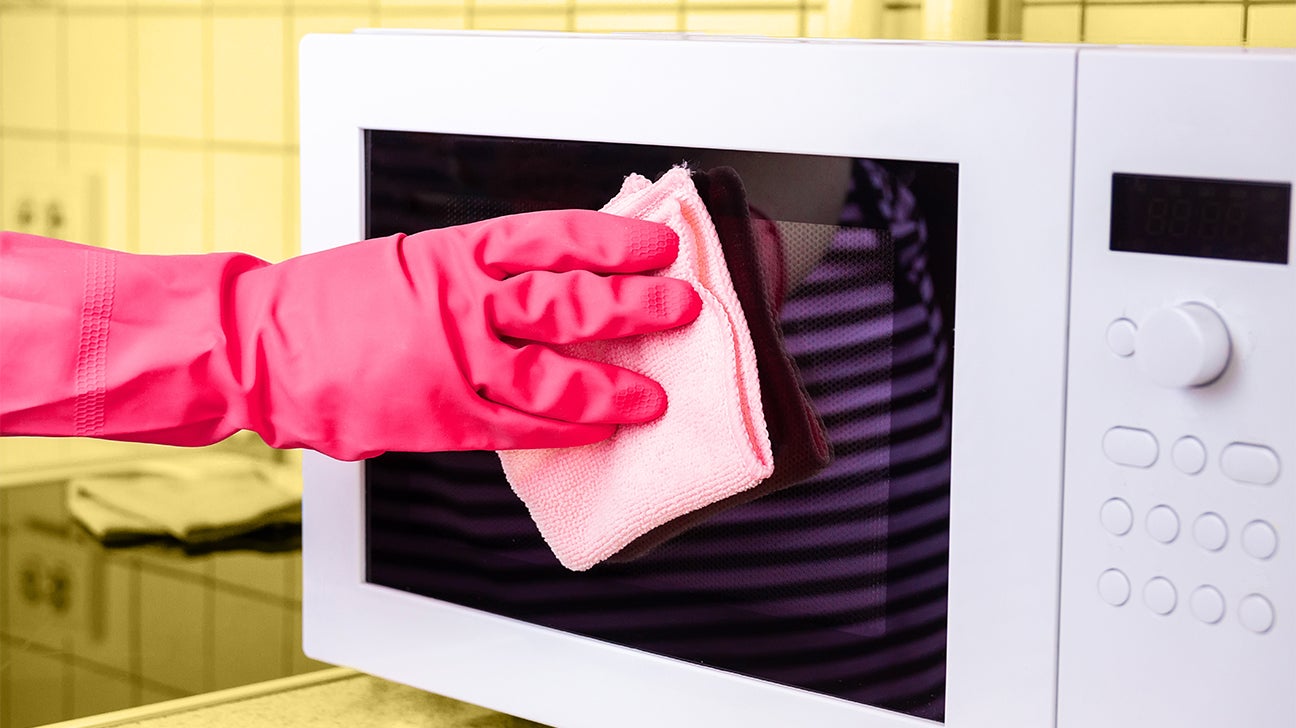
(1272, 25)
(182, 113)
(170, 126)
(1196, 22)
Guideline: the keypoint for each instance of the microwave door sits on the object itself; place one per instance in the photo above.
(835, 581)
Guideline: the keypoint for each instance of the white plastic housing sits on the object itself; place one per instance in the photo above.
(1003, 114)
(1180, 651)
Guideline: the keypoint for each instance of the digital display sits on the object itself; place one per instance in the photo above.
(1201, 218)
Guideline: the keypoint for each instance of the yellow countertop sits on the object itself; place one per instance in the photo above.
(322, 699)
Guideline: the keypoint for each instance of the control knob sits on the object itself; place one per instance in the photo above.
(1186, 345)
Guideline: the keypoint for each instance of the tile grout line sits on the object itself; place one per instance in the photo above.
(135, 638)
(1157, 3)
(132, 242)
(4, 605)
(69, 677)
(286, 615)
(288, 247)
(208, 241)
(209, 628)
(62, 90)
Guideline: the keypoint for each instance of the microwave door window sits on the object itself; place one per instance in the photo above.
(832, 575)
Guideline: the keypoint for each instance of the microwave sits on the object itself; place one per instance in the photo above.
(1041, 299)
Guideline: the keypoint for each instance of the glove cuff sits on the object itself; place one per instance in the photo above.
(104, 344)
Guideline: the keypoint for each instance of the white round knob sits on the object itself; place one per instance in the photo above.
(1183, 346)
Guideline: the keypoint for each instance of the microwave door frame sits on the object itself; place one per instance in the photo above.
(1003, 114)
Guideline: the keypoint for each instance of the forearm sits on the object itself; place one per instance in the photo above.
(99, 343)
(440, 340)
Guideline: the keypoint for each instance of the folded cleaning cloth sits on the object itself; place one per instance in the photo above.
(590, 502)
(754, 255)
(195, 500)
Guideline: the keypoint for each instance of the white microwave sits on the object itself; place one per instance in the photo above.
(1041, 298)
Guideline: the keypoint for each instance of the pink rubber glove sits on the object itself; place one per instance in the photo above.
(434, 341)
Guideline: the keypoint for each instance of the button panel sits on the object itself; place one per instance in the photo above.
(1131, 452)
(1224, 655)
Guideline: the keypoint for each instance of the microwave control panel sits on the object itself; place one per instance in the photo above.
(1178, 593)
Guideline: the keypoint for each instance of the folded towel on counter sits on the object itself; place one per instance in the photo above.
(754, 255)
(590, 502)
(193, 499)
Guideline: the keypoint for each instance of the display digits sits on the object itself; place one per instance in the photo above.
(1204, 218)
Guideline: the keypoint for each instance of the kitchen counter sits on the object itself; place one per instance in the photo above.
(157, 636)
(334, 697)
(87, 628)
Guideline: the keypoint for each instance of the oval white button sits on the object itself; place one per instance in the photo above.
(1160, 596)
(1207, 604)
(1259, 539)
(1163, 524)
(1256, 613)
(1113, 587)
(1210, 531)
(1116, 517)
(1189, 455)
(1247, 463)
(1130, 446)
(1120, 337)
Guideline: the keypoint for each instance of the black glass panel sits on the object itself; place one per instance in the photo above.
(1201, 218)
(836, 584)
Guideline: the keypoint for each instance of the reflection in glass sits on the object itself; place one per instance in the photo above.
(836, 580)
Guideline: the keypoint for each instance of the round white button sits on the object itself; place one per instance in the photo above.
(1207, 604)
(1113, 587)
(1183, 346)
(1259, 539)
(1116, 517)
(1210, 531)
(1256, 613)
(1163, 524)
(1120, 337)
(1159, 594)
(1189, 455)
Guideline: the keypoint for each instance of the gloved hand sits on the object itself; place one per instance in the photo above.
(433, 341)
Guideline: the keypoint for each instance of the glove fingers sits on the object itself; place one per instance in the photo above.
(564, 308)
(567, 240)
(540, 381)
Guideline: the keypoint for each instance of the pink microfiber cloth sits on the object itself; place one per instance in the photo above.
(590, 502)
